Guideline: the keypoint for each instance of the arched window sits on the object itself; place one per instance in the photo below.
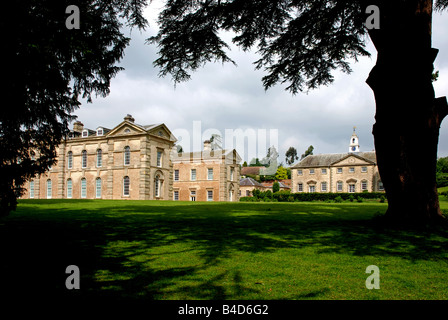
(83, 188)
(84, 159)
(98, 187)
(127, 156)
(99, 158)
(157, 185)
(126, 183)
(69, 189)
(70, 160)
(49, 189)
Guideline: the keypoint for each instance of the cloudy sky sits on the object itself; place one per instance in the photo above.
(224, 97)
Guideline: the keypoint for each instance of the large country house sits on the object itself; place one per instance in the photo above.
(133, 161)
(130, 161)
(354, 171)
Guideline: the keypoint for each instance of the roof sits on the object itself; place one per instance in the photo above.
(206, 155)
(250, 170)
(328, 159)
(250, 182)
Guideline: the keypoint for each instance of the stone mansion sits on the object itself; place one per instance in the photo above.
(354, 171)
(133, 161)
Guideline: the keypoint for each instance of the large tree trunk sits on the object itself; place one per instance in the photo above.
(408, 116)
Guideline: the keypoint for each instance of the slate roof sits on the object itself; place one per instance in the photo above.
(328, 159)
(250, 182)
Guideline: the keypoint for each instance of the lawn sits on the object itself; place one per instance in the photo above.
(182, 250)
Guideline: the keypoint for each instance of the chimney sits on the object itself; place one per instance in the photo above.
(129, 118)
(207, 145)
(78, 126)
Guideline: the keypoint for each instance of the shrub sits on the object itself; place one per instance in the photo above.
(359, 199)
(351, 198)
(382, 199)
(338, 199)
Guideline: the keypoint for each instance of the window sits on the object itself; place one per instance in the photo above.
(363, 185)
(323, 187)
(99, 132)
(127, 130)
(157, 185)
(69, 188)
(339, 186)
(83, 188)
(31, 189)
(176, 196)
(127, 156)
(232, 170)
(380, 186)
(300, 187)
(98, 187)
(159, 158)
(247, 193)
(312, 188)
(176, 175)
(209, 195)
(299, 172)
(339, 170)
(210, 173)
(351, 188)
(193, 175)
(363, 169)
(85, 133)
(84, 159)
(70, 160)
(126, 183)
(351, 170)
(49, 189)
(311, 171)
(193, 195)
(324, 171)
(99, 158)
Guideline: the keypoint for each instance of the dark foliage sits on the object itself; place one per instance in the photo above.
(49, 69)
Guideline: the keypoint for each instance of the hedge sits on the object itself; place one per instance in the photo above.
(286, 196)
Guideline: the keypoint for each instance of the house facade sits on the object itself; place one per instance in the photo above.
(130, 161)
(208, 175)
(350, 172)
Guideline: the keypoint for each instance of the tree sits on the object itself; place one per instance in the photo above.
(216, 142)
(245, 164)
(270, 162)
(291, 155)
(281, 174)
(49, 68)
(275, 187)
(308, 152)
(302, 42)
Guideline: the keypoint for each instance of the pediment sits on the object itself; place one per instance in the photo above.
(352, 160)
(163, 132)
(126, 128)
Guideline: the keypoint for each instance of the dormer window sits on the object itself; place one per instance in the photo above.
(85, 133)
(99, 131)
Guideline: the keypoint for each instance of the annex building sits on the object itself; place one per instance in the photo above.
(207, 175)
(351, 172)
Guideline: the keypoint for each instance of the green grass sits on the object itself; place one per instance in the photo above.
(443, 189)
(179, 250)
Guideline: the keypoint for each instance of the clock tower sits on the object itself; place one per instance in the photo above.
(354, 142)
